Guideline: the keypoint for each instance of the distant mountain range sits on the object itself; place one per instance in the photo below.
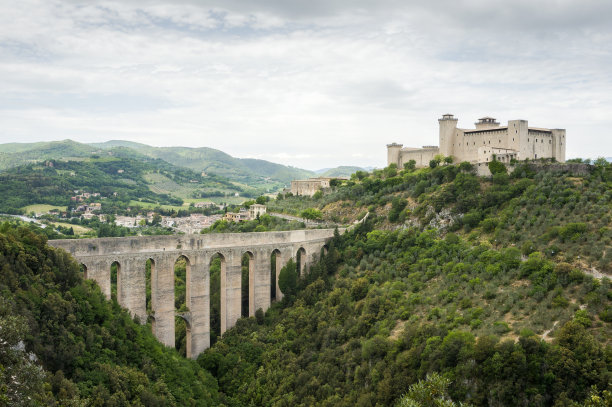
(248, 171)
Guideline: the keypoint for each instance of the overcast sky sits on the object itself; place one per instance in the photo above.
(309, 83)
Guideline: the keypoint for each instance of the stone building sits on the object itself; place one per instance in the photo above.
(240, 216)
(516, 140)
(309, 186)
(256, 210)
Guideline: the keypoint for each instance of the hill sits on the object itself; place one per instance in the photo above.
(249, 171)
(499, 284)
(117, 180)
(91, 351)
(488, 281)
(342, 171)
(16, 154)
(261, 175)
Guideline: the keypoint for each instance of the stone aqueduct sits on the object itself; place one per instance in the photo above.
(132, 253)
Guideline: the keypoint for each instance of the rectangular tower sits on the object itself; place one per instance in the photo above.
(518, 138)
(393, 154)
(448, 129)
(558, 139)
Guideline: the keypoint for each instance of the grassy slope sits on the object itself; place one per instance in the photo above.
(42, 208)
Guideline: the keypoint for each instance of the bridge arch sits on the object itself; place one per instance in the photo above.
(300, 259)
(115, 281)
(182, 304)
(150, 287)
(217, 268)
(186, 319)
(83, 270)
(247, 288)
(276, 263)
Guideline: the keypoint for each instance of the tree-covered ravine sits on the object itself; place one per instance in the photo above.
(503, 305)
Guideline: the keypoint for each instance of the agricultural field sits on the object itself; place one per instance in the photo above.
(42, 208)
(149, 205)
(78, 229)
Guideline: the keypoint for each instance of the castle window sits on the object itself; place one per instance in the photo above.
(499, 141)
(528, 140)
(512, 138)
(549, 141)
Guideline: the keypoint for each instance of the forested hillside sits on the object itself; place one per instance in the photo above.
(481, 280)
(92, 352)
(118, 179)
(498, 285)
(563, 210)
(249, 171)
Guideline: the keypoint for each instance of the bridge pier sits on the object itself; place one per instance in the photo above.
(198, 301)
(231, 290)
(163, 306)
(99, 271)
(131, 287)
(259, 282)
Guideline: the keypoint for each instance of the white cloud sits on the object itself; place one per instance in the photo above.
(312, 84)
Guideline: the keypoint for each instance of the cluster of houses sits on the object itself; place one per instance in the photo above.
(188, 225)
(88, 210)
(252, 213)
(84, 196)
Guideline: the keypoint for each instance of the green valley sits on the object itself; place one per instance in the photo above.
(491, 290)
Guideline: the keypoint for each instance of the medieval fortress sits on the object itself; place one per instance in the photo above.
(479, 146)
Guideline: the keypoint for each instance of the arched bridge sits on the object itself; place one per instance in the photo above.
(132, 253)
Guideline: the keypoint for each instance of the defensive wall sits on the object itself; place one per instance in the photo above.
(132, 253)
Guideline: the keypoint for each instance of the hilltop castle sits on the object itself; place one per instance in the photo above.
(515, 141)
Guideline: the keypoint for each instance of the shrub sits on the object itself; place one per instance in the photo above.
(497, 167)
(288, 278)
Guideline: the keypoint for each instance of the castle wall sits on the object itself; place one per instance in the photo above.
(539, 144)
(422, 156)
(466, 144)
(308, 187)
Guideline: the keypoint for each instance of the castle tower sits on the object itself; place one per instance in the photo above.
(393, 154)
(486, 123)
(519, 140)
(558, 144)
(448, 128)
